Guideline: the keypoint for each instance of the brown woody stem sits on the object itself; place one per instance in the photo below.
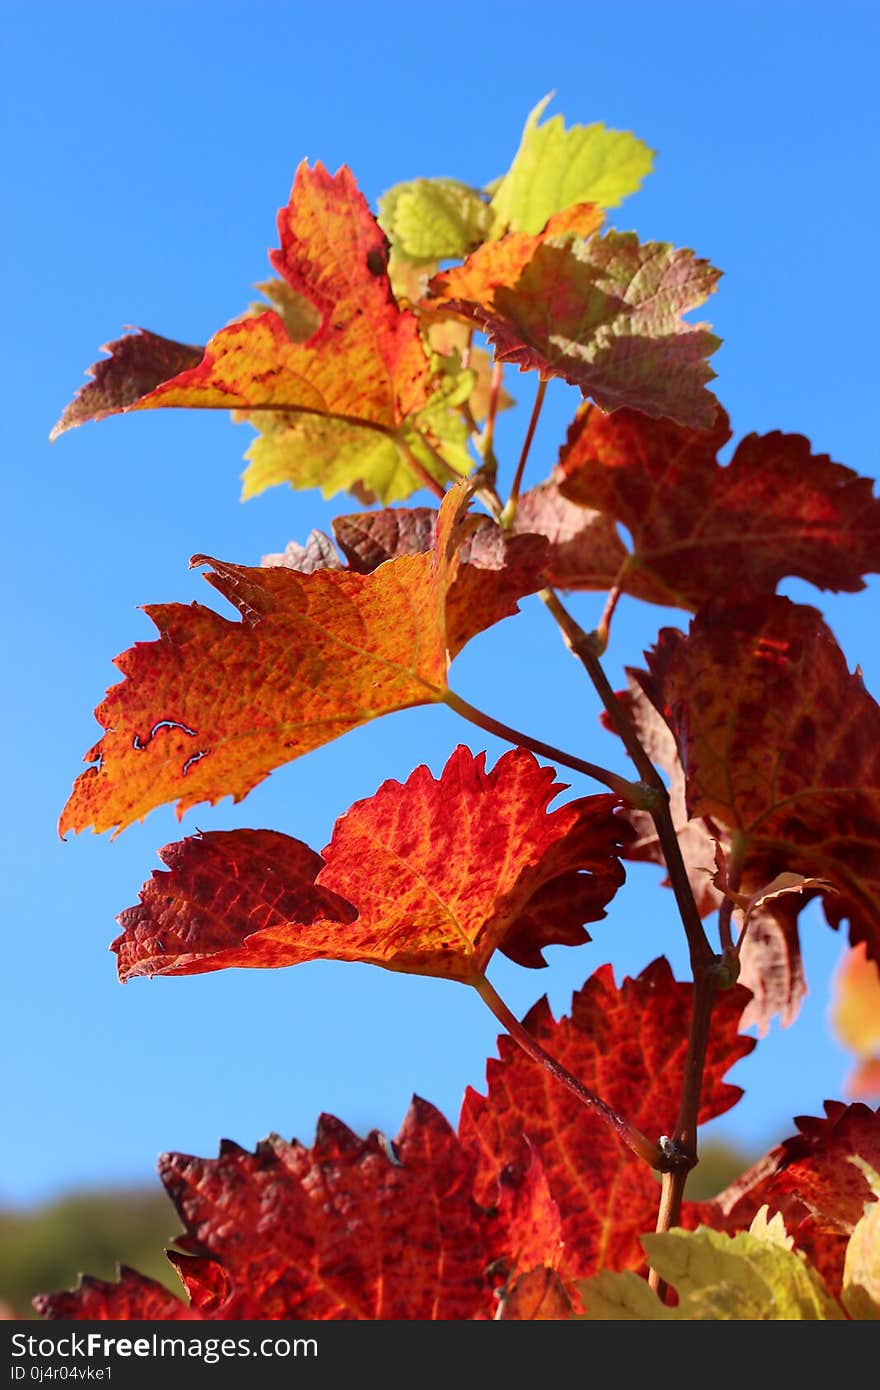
(626, 1133)
(630, 792)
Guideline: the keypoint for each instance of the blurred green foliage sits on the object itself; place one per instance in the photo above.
(46, 1248)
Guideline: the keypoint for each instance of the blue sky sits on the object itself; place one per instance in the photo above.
(149, 148)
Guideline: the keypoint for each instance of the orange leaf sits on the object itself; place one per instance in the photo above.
(701, 531)
(429, 877)
(364, 364)
(214, 705)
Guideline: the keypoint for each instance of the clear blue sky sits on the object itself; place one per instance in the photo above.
(147, 149)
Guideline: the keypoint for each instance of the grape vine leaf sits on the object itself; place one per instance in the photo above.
(855, 1019)
(551, 541)
(702, 531)
(861, 1267)
(214, 705)
(431, 220)
(363, 379)
(626, 1044)
(604, 313)
(555, 168)
(431, 877)
(349, 1229)
(751, 1276)
(811, 1180)
(771, 967)
(781, 744)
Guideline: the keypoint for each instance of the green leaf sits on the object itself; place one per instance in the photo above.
(752, 1276)
(334, 454)
(430, 220)
(861, 1270)
(555, 167)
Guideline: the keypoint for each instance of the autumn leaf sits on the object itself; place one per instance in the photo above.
(771, 967)
(752, 1276)
(131, 1297)
(555, 168)
(429, 877)
(350, 1229)
(861, 1268)
(431, 220)
(628, 1045)
(136, 365)
(604, 313)
(702, 531)
(811, 1180)
(495, 568)
(214, 705)
(363, 378)
(551, 541)
(781, 744)
(855, 1019)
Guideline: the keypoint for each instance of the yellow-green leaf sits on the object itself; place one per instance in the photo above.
(555, 167)
(433, 219)
(751, 1276)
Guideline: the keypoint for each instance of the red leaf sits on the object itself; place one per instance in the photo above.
(780, 743)
(811, 1181)
(770, 960)
(701, 531)
(137, 364)
(349, 1229)
(628, 1045)
(430, 876)
(133, 1296)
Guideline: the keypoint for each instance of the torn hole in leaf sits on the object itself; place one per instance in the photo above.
(140, 744)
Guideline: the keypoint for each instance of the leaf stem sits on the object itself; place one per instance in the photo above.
(630, 792)
(421, 472)
(510, 507)
(626, 1133)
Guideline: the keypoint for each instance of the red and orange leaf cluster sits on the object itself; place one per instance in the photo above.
(495, 1221)
(430, 877)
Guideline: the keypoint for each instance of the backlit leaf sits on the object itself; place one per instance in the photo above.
(628, 1045)
(702, 531)
(212, 706)
(429, 220)
(781, 744)
(555, 167)
(718, 1277)
(861, 1269)
(604, 313)
(813, 1182)
(429, 877)
(350, 1229)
